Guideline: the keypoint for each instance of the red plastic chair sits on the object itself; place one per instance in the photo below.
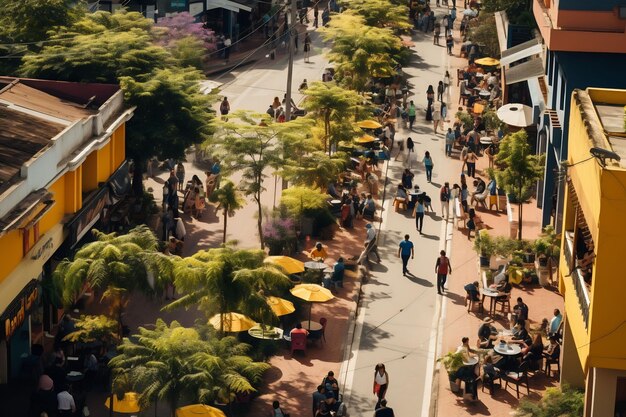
(323, 322)
(298, 342)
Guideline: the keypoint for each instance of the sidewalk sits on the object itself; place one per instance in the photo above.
(457, 322)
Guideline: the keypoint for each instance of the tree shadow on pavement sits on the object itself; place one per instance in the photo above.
(371, 335)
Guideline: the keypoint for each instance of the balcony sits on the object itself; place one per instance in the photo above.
(582, 292)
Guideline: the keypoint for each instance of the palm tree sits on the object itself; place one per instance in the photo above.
(227, 280)
(315, 170)
(380, 13)
(176, 364)
(131, 261)
(229, 200)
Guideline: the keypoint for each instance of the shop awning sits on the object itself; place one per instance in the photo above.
(521, 51)
(29, 210)
(524, 71)
(228, 5)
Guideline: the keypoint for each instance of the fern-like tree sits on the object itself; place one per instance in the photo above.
(521, 170)
(333, 106)
(130, 261)
(315, 170)
(225, 280)
(557, 402)
(250, 144)
(229, 200)
(380, 13)
(176, 364)
(360, 51)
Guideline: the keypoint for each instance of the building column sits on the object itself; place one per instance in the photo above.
(571, 369)
(601, 397)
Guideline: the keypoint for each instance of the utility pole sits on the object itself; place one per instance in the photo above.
(292, 33)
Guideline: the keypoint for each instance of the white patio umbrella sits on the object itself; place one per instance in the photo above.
(516, 114)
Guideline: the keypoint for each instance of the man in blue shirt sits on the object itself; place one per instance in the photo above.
(215, 170)
(405, 251)
(555, 323)
(338, 272)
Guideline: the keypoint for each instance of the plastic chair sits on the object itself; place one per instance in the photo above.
(490, 382)
(298, 342)
(323, 322)
(549, 361)
(471, 301)
(518, 378)
(504, 302)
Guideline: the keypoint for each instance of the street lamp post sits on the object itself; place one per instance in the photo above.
(292, 34)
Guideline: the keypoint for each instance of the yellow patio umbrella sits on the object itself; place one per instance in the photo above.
(288, 264)
(369, 124)
(233, 322)
(280, 306)
(312, 293)
(199, 410)
(365, 139)
(487, 62)
(127, 405)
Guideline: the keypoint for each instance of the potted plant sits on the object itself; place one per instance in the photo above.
(465, 119)
(547, 249)
(452, 361)
(485, 246)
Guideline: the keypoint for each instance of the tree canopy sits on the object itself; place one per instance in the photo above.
(380, 13)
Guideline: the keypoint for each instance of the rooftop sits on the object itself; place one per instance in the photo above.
(32, 114)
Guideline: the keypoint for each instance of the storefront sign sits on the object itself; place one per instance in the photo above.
(14, 316)
(88, 215)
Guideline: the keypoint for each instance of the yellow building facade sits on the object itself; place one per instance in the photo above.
(60, 144)
(593, 248)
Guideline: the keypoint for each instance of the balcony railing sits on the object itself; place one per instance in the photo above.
(579, 283)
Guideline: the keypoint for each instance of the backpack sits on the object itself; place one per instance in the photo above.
(223, 107)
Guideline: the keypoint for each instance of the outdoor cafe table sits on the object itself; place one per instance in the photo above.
(311, 326)
(492, 294)
(508, 349)
(485, 94)
(470, 361)
(315, 265)
(269, 333)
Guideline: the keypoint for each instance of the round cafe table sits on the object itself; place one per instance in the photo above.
(311, 326)
(492, 295)
(316, 266)
(269, 333)
(508, 349)
(470, 361)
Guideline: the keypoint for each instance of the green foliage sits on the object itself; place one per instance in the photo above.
(245, 145)
(465, 118)
(91, 328)
(178, 365)
(486, 35)
(299, 200)
(491, 119)
(484, 244)
(521, 169)
(31, 20)
(452, 361)
(518, 11)
(505, 246)
(188, 52)
(360, 51)
(228, 280)
(380, 13)
(548, 244)
(129, 261)
(315, 170)
(229, 200)
(334, 106)
(556, 402)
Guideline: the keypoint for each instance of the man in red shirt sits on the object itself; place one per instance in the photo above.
(442, 269)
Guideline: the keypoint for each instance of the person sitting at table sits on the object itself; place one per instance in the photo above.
(487, 334)
(465, 372)
(479, 188)
(520, 334)
(400, 198)
(298, 330)
(332, 190)
(369, 210)
(463, 195)
(472, 290)
(331, 384)
(534, 351)
(338, 273)
(555, 323)
(318, 253)
(490, 371)
(495, 93)
(520, 310)
(553, 350)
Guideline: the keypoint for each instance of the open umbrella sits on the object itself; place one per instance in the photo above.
(365, 139)
(280, 306)
(127, 405)
(199, 410)
(516, 114)
(487, 62)
(369, 124)
(288, 264)
(312, 293)
(233, 322)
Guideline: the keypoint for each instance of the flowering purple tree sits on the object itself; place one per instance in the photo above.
(183, 25)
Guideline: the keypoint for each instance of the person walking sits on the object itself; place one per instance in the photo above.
(410, 146)
(370, 241)
(428, 165)
(412, 113)
(436, 33)
(227, 45)
(470, 160)
(442, 269)
(381, 383)
(180, 176)
(224, 108)
(307, 47)
(437, 107)
(449, 43)
(418, 213)
(406, 251)
(444, 197)
(440, 89)
(449, 141)
(316, 15)
(446, 81)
